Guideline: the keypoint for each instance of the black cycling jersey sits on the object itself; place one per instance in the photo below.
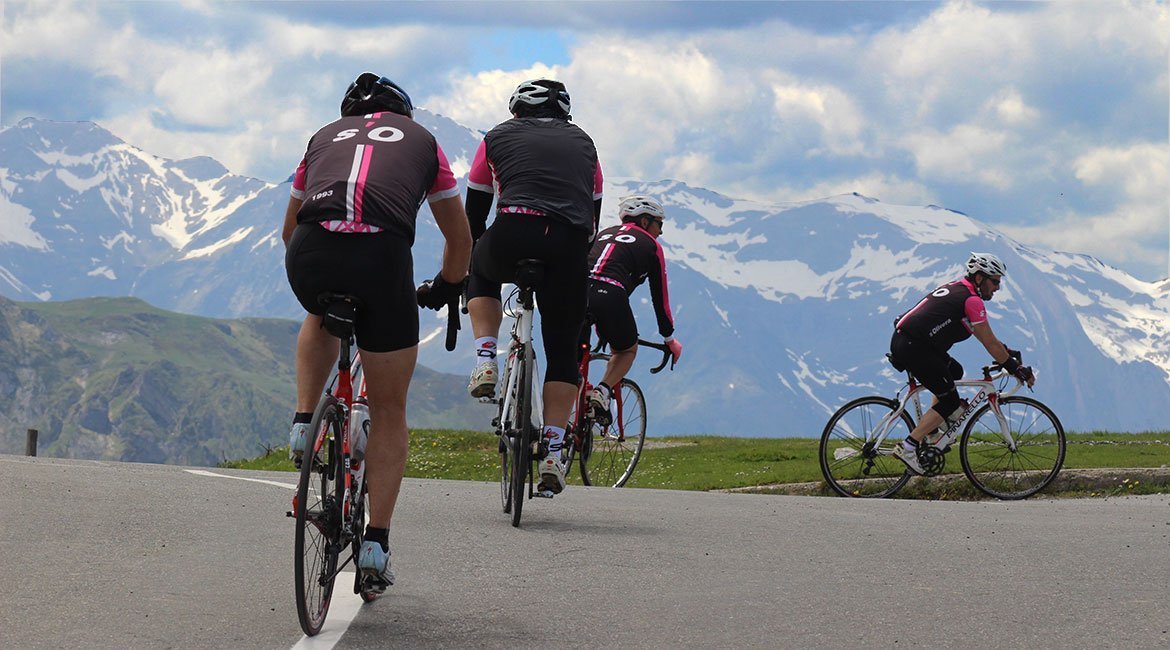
(548, 166)
(626, 256)
(373, 170)
(945, 316)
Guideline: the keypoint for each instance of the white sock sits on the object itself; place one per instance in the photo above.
(555, 437)
(485, 350)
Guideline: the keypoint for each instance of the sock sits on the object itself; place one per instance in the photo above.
(555, 436)
(605, 389)
(485, 349)
(302, 418)
(910, 443)
(380, 535)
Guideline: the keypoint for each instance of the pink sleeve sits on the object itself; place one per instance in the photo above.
(444, 186)
(298, 186)
(480, 177)
(975, 309)
(598, 182)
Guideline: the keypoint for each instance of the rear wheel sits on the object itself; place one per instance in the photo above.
(996, 468)
(504, 428)
(612, 452)
(318, 516)
(522, 443)
(851, 464)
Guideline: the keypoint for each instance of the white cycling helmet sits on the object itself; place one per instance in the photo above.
(985, 263)
(633, 207)
(534, 95)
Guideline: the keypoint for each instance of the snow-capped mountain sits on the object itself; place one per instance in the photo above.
(785, 310)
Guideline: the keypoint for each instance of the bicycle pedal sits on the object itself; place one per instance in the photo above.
(544, 494)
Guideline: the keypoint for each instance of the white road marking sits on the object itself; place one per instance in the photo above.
(201, 472)
(343, 608)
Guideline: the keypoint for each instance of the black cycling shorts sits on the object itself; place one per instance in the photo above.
(560, 299)
(933, 368)
(609, 310)
(375, 267)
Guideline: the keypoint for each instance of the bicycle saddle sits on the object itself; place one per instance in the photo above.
(340, 313)
(529, 273)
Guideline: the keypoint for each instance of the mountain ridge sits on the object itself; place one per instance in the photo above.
(784, 308)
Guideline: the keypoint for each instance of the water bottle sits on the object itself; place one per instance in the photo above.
(359, 431)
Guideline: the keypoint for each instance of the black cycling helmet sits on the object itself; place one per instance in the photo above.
(540, 98)
(370, 93)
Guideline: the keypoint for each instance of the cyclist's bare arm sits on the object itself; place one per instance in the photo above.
(290, 218)
(995, 348)
(452, 222)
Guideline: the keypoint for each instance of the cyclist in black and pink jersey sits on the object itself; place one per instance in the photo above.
(623, 257)
(923, 336)
(543, 173)
(349, 228)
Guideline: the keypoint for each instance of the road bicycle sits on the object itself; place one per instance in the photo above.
(331, 502)
(607, 449)
(520, 411)
(1011, 447)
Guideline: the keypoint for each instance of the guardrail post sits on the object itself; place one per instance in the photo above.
(30, 445)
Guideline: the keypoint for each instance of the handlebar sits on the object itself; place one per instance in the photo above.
(453, 324)
(666, 355)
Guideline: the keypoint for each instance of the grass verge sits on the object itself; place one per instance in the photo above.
(785, 465)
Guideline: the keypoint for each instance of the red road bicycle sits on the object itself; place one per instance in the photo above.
(607, 453)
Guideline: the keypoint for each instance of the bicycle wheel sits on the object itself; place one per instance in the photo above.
(853, 466)
(522, 443)
(999, 471)
(613, 451)
(503, 428)
(318, 516)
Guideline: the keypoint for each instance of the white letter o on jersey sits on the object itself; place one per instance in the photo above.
(386, 134)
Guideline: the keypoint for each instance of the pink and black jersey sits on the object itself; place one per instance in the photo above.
(946, 316)
(626, 256)
(539, 166)
(371, 173)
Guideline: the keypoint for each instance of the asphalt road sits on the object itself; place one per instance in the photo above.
(118, 555)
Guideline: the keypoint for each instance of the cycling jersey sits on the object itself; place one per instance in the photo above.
(625, 256)
(539, 166)
(945, 316)
(370, 173)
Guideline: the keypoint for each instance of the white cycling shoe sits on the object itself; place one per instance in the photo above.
(552, 475)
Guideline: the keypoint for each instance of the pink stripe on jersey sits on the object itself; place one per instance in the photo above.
(665, 290)
(360, 189)
(605, 253)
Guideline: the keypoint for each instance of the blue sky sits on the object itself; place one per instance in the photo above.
(1050, 121)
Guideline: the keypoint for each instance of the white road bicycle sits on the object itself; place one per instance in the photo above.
(1011, 446)
(518, 396)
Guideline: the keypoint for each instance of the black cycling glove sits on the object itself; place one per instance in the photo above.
(433, 294)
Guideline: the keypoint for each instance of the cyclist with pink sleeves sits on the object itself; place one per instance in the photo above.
(623, 257)
(543, 173)
(349, 228)
(923, 336)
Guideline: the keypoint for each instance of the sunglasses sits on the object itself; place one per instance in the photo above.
(995, 281)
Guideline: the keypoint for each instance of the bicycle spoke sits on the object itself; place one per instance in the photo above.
(851, 466)
(994, 467)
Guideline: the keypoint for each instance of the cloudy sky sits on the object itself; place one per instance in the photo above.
(1050, 121)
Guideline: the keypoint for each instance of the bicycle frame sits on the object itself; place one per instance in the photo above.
(521, 336)
(986, 391)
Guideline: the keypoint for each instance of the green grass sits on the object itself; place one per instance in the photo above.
(717, 462)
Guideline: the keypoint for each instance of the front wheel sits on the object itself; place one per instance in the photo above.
(610, 454)
(1017, 470)
(522, 442)
(318, 517)
(852, 464)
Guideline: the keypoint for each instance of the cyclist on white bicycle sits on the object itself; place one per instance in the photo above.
(549, 181)
(923, 336)
(623, 257)
(349, 228)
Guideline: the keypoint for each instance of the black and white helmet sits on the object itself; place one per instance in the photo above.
(537, 96)
(636, 206)
(371, 93)
(985, 263)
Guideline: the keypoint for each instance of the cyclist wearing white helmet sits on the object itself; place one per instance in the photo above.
(623, 257)
(349, 228)
(548, 179)
(923, 336)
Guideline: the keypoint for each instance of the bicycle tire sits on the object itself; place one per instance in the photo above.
(522, 444)
(997, 471)
(614, 450)
(503, 428)
(317, 542)
(848, 461)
